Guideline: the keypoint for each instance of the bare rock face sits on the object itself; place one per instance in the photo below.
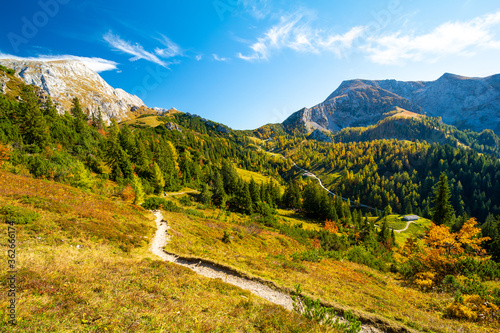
(319, 136)
(65, 79)
(468, 103)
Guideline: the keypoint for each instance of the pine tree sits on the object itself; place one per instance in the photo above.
(219, 196)
(50, 111)
(34, 128)
(442, 211)
(254, 191)
(206, 195)
(80, 116)
(247, 199)
(387, 210)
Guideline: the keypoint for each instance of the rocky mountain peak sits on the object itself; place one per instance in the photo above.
(63, 80)
(468, 103)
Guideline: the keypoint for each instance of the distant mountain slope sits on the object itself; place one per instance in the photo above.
(64, 80)
(468, 103)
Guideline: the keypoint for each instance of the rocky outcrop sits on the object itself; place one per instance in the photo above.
(319, 135)
(173, 127)
(64, 80)
(468, 103)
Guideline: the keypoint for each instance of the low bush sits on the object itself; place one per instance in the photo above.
(194, 212)
(472, 307)
(18, 215)
(153, 203)
(7, 70)
(361, 255)
(312, 256)
(465, 285)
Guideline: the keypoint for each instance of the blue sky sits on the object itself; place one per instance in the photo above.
(246, 63)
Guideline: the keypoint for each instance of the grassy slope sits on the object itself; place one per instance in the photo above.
(264, 253)
(84, 266)
(247, 176)
(416, 229)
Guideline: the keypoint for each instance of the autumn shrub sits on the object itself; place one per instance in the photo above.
(4, 154)
(331, 226)
(127, 193)
(473, 307)
(425, 280)
(446, 253)
(18, 215)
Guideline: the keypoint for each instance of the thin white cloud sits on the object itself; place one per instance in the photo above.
(171, 49)
(259, 9)
(199, 57)
(136, 50)
(96, 64)
(451, 38)
(217, 58)
(295, 33)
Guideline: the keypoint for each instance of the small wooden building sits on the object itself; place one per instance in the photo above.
(411, 218)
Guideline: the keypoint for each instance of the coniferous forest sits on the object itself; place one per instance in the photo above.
(456, 187)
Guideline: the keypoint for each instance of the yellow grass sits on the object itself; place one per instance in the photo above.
(150, 121)
(248, 175)
(292, 218)
(267, 254)
(84, 266)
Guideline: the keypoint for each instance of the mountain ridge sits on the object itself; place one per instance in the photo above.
(63, 80)
(465, 102)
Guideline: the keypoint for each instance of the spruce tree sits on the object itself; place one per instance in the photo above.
(442, 211)
(80, 117)
(34, 128)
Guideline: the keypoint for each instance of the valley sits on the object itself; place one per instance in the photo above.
(160, 220)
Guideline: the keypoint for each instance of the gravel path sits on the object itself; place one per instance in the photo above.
(162, 237)
(406, 228)
(210, 271)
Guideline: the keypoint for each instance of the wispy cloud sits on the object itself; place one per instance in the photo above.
(259, 9)
(170, 50)
(450, 38)
(295, 32)
(217, 58)
(136, 49)
(199, 57)
(96, 64)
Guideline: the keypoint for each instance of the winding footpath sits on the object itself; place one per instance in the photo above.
(217, 272)
(212, 271)
(406, 228)
(308, 173)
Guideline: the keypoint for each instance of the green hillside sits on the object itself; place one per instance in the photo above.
(78, 193)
